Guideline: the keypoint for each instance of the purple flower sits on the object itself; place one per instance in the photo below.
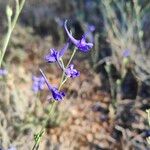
(52, 56)
(82, 45)
(38, 83)
(12, 148)
(71, 72)
(89, 32)
(57, 95)
(3, 72)
(59, 21)
(55, 55)
(89, 4)
(91, 28)
(126, 53)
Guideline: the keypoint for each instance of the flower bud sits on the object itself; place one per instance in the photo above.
(141, 34)
(108, 67)
(118, 82)
(9, 11)
(125, 61)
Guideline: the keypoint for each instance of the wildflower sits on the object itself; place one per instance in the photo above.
(57, 95)
(71, 72)
(55, 55)
(38, 83)
(12, 148)
(91, 28)
(89, 32)
(89, 4)
(3, 72)
(82, 45)
(59, 21)
(147, 133)
(126, 53)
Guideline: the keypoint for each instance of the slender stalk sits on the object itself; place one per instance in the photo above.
(148, 116)
(10, 29)
(42, 131)
(74, 51)
(63, 75)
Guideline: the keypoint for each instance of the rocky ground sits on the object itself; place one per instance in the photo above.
(86, 119)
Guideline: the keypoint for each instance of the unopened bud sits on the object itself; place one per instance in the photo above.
(9, 11)
(141, 34)
(125, 61)
(118, 82)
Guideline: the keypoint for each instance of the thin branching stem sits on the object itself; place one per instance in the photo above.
(11, 26)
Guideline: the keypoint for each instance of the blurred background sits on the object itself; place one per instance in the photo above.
(105, 108)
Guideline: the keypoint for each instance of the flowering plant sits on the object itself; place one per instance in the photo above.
(68, 71)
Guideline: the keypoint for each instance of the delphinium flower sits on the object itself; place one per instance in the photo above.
(59, 21)
(57, 95)
(38, 83)
(71, 72)
(88, 4)
(126, 53)
(68, 71)
(3, 72)
(12, 148)
(91, 27)
(126, 56)
(55, 55)
(81, 44)
(89, 32)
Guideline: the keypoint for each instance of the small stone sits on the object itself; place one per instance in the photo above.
(89, 137)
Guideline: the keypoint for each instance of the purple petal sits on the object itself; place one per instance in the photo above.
(73, 40)
(57, 95)
(126, 53)
(3, 72)
(35, 79)
(80, 44)
(71, 72)
(35, 89)
(46, 81)
(59, 21)
(52, 56)
(12, 148)
(91, 28)
(84, 46)
(63, 50)
(38, 83)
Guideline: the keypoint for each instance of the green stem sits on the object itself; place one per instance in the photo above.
(10, 29)
(63, 75)
(74, 51)
(40, 134)
(148, 116)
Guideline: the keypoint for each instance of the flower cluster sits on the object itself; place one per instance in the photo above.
(55, 56)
